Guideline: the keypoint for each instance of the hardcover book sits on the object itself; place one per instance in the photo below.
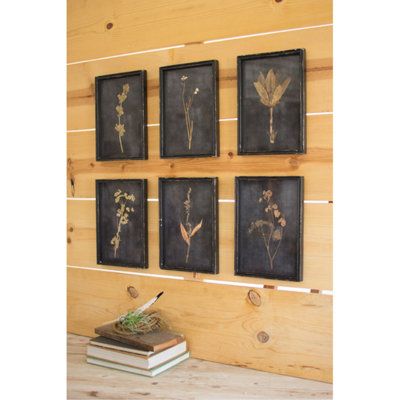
(153, 341)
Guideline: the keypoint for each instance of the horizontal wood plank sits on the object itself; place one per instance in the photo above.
(105, 28)
(86, 381)
(219, 323)
(315, 166)
(317, 42)
(81, 249)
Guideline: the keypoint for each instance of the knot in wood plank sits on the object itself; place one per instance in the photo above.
(254, 298)
(132, 291)
(262, 337)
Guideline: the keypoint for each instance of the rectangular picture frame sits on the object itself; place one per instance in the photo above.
(176, 119)
(258, 132)
(269, 212)
(121, 136)
(131, 250)
(188, 224)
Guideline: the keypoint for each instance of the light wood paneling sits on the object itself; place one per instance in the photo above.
(315, 166)
(317, 244)
(219, 323)
(86, 381)
(317, 42)
(145, 24)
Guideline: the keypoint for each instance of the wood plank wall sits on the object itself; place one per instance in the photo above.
(109, 36)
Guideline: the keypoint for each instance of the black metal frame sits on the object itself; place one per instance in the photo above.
(214, 182)
(240, 62)
(214, 66)
(144, 224)
(143, 80)
(298, 276)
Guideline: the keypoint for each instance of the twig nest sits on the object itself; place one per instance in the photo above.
(136, 324)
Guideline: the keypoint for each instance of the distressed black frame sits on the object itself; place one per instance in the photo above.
(215, 250)
(144, 223)
(298, 276)
(215, 141)
(302, 133)
(99, 130)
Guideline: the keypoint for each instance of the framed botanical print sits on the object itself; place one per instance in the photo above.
(121, 116)
(189, 110)
(189, 224)
(271, 103)
(269, 227)
(121, 208)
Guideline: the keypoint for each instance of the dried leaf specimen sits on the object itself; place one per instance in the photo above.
(187, 102)
(123, 211)
(120, 128)
(187, 230)
(270, 229)
(271, 92)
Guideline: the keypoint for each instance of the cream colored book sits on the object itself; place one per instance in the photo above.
(104, 342)
(146, 372)
(135, 360)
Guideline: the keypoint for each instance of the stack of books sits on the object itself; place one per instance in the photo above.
(148, 354)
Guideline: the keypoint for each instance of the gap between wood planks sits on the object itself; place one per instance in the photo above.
(205, 42)
(210, 281)
(154, 200)
(311, 114)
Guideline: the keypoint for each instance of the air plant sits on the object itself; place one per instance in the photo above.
(187, 102)
(123, 211)
(133, 323)
(187, 230)
(270, 229)
(271, 92)
(120, 128)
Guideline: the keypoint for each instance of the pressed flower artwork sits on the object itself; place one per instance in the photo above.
(121, 121)
(271, 92)
(271, 97)
(188, 224)
(189, 110)
(187, 101)
(188, 229)
(119, 126)
(122, 222)
(269, 220)
(124, 203)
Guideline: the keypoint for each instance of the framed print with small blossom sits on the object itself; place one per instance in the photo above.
(269, 227)
(271, 103)
(189, 224)
(121, 117)
(121, 228)
(189, 110)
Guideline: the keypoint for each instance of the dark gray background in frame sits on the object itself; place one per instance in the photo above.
(204, 245)
(133, 247)
(204, 110)
(250, 254)
(134, 118)
(289, 114)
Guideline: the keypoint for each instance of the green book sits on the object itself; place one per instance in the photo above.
(146, 372)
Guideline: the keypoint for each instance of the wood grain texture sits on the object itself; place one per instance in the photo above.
(317, 42)
(219, 323)
(81, 250)
(217, 381)
(315, 166)
(147, 24)
(213, 381)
